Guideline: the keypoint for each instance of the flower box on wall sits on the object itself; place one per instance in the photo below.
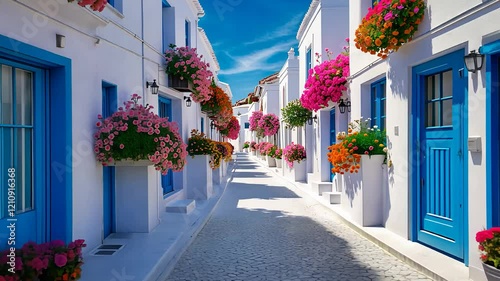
(199, 177)
(362, 194)
(131, 163)
(181, 85)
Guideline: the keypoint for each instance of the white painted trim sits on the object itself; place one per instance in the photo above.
(307, 18)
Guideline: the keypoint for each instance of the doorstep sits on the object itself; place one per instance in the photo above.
(431, 263)
(151, 256)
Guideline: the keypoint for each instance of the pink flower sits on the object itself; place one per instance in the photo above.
(370, 148)
(122, 146)
(60, 260)
(484, 235)
(416, 10)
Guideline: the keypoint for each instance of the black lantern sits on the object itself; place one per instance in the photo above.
(344, 105)
(212, 125)
(154, 87)
(474, 61)
(310, 119)
(188, 101)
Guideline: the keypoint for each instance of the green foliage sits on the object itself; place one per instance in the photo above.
(294, 115)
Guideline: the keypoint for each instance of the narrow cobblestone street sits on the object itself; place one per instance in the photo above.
(261, 230)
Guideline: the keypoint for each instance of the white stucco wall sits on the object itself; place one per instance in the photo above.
(107, 47)
(437, 35)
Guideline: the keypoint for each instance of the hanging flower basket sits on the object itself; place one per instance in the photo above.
(180, 84)
(254, 123)
(270, 124)
(327, 81)
(388, 26)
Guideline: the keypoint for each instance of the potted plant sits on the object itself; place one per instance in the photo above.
(254, 123)
(96, 5)
(269, 124)
(389, 25)
(489, 245)
(326, 82)
(278, 154)
(246, 145)
(253, 147)
(134, 136)
(50, 261)
(295, 115)
(205, 157)
(295, 153)
(271, 155)
(187, 72)
(359, 156)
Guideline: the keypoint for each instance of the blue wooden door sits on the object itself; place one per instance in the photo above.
(333, 136)
(165, 110)
(440, 92)
(22, 155)
(109, 106)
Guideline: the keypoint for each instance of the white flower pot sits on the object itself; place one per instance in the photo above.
(199, 177)
(131, 163)
(271, 162)
(279, 163)
(362, 194)
(253, 153)
(297, 172)
(263, 157)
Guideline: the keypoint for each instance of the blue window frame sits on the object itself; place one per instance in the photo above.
(492, 52)
(187, 27)
(333, 136)
(308, 61)
(202, 124)
(117, 4)
(378, 99)
(247, 125)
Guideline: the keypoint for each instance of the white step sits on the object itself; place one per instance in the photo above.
(332, 197)
(319, 187)
(181, 206)
(311, 177)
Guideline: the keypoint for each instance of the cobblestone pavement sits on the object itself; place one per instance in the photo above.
(262, 230)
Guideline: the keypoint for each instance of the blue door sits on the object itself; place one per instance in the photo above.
(109, 106)
(333, 136)
(439, 97)
(165, 110)
(22, 155)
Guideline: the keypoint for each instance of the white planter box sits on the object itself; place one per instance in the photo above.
(298, 172)
(136, 199)
(263, 157)
(362, 194)
(271, 162)
(254, 153)
(131, 163)
(199, 177)
(279, 163)
(217, 175)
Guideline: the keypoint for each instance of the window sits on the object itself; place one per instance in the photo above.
(439, 99)
(247, 125)
(308, 61)
(202, 124)
(188, 33)
(117, 4)
(378, 97)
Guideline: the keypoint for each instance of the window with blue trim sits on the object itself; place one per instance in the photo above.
(187, 26)
(117, 4)
(247, 125)
(308, 61)
(378, 99)
(202, 124)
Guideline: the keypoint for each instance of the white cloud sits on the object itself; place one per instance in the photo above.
(257, 60)
(287, 29)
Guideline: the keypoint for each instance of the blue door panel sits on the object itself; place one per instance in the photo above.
(440, 129)
(333, 137)
(165, 110)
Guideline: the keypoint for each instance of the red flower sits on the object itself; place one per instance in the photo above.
(60, 260)
(482, 236)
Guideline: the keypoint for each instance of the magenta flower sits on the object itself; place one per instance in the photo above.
(60, 260)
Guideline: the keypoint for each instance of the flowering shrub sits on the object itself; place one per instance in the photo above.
(137, 133)
(295, 115)
(217, 101)
(229, 151)
(253, 145)
(361, 139)
(272, 151)
(199, 144)
(278, 153)
(185, 63)
(389, 25)
(218, 155)
(294, 152)
(269, 124)
(48, 262)
(232, 129)
(265, 147)
(246, 144)
(96, 5)
(489, 245)
(326, 82)
(254, 123)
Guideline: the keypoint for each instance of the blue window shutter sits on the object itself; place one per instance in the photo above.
(378, 99)
(308, 61)
(247, 125)
(187, 28)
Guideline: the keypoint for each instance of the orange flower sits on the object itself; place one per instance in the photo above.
(378, 42)
(395, 33)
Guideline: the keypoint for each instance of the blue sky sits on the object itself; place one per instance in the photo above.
(251, 38)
